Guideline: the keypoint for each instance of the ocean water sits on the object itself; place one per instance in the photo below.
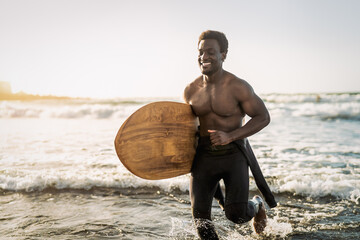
(60, 177)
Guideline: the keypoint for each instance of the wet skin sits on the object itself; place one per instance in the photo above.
(221, 100)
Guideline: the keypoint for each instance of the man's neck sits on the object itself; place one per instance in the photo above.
(213, 78)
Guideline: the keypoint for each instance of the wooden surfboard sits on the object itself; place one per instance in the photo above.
(158, 140)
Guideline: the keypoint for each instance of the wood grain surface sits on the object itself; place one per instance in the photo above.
(158, 140)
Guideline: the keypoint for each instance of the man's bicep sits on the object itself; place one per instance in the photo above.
(254, 106)
(250, 103)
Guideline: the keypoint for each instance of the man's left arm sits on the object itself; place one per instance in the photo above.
(255, 108)
(252, 106)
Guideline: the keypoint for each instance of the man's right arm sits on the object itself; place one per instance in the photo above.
(187, 94)
(190, 90)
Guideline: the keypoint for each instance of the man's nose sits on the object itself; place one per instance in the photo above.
(204, 56)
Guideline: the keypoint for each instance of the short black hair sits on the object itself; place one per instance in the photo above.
(218, 36)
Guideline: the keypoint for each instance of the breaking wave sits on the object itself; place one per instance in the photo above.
(115, 176)
(70, 109)
(344, 106)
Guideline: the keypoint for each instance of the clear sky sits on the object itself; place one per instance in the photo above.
(148, 48)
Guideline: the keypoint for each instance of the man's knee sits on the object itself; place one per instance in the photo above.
(236, 217)
(201, 214)
(237, 212)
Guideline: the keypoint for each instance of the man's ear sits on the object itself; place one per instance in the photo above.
(223, 56)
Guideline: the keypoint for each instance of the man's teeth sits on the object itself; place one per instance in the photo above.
(206, 64)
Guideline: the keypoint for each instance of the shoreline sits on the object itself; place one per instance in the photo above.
(29, 97)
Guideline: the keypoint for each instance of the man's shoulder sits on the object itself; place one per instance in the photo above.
(239, 87)
(191, 88)
(234, 80)
(194, 84)
(197, 80)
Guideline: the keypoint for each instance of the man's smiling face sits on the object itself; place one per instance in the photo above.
(210, 58)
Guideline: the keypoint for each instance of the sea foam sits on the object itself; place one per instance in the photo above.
(324, 106)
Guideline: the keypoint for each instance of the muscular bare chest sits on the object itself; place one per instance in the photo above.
(215, 100)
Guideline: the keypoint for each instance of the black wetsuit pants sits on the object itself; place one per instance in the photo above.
(211, 164)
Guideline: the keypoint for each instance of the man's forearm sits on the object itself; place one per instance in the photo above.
(253, 126)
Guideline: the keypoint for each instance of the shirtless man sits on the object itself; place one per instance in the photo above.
(221, 100)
